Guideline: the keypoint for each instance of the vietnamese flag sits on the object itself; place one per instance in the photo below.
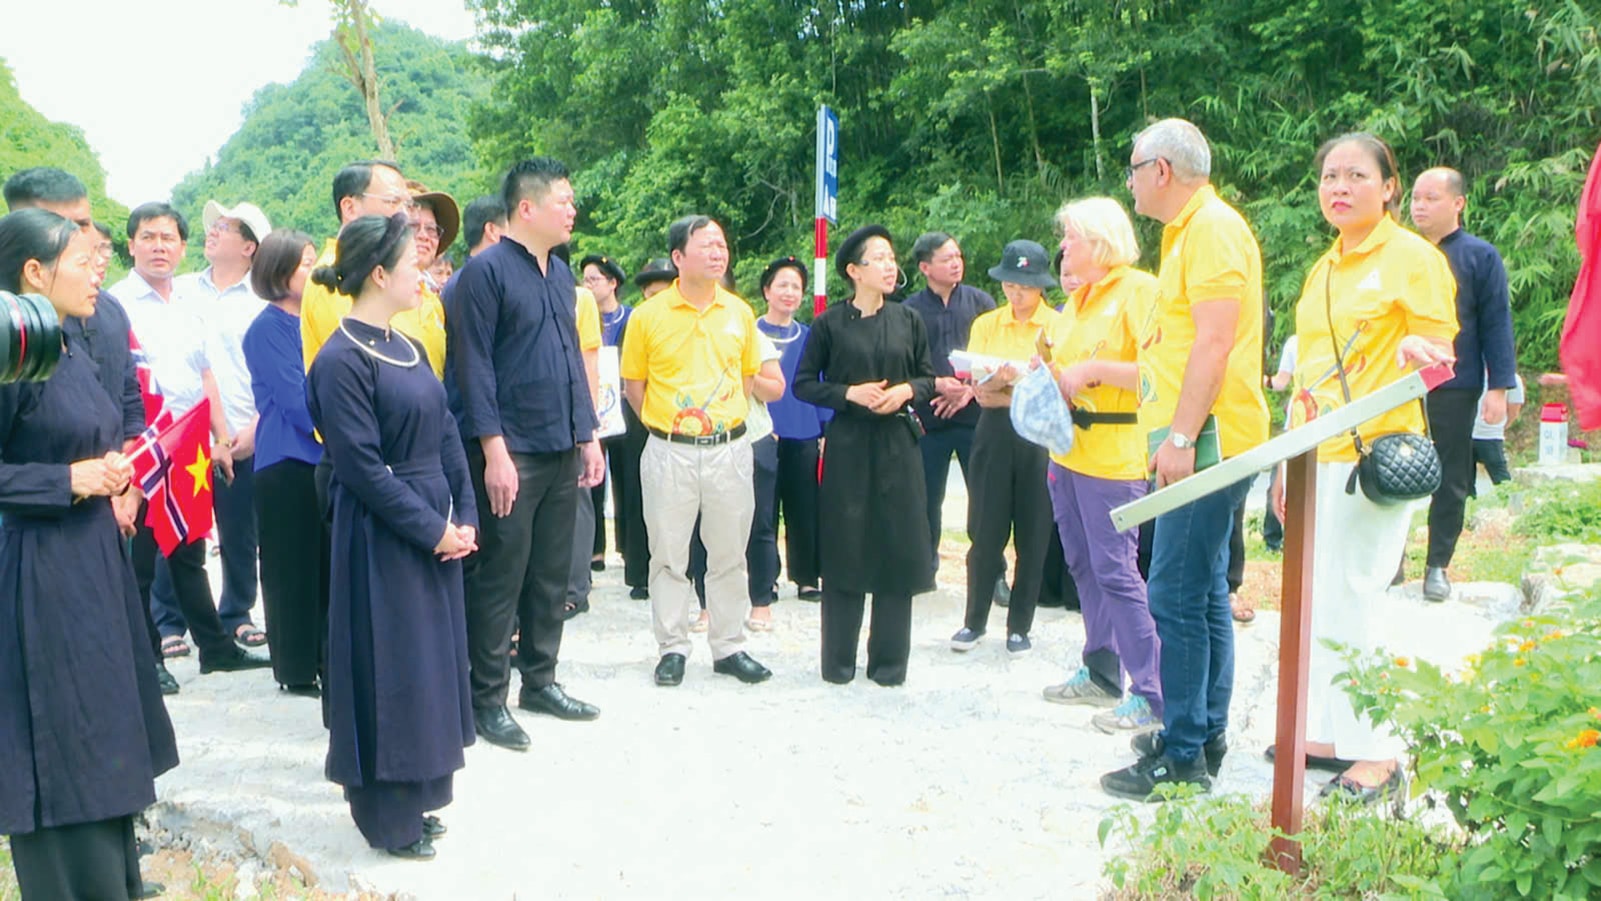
(173, 469)
(1581, 333)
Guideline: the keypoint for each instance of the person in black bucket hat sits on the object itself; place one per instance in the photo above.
(655, 275)
(1006, 478)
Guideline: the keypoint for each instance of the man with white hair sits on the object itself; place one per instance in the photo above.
(1200, 377)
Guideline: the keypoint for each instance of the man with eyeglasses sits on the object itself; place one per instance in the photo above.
(1200, 380)
(227, 306)
(367, 188)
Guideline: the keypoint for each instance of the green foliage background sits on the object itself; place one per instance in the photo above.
(296, 136)
(29, 139)
(980, 117)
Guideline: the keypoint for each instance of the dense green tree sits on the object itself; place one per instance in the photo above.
(296, 136)
(982, 117)
(29, 139)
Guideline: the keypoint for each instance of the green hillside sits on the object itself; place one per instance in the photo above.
(29, 139)
(296, 136)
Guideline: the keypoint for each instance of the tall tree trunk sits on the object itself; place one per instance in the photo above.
(1034, 133)
(1095, 134)
(995, 141)
(369, 79)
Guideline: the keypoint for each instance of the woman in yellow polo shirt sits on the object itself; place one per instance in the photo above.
(1093, 352)
(1007, 472)
(1387, 296)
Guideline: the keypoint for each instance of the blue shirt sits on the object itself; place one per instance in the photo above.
(612, 325)
(948, 325)
(278, 384)
(793, 418)
(512, 333)
(1484, 354)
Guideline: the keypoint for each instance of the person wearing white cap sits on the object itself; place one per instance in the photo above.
(228, 305)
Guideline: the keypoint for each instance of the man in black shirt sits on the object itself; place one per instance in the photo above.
(529, 425)
(948, 308)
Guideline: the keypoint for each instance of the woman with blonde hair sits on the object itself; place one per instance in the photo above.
(1092, 353)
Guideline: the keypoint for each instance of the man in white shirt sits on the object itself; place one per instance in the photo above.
(227, 306)
(1489, 441)
(172, 336)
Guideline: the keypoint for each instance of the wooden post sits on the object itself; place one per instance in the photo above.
(1295, 651)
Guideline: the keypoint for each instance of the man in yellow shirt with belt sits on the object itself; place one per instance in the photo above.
(689, 357)
(1200, 368)
(368, 188)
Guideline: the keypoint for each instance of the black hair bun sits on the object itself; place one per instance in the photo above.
(327, 276)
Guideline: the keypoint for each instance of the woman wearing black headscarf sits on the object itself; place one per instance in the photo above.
(867, 360)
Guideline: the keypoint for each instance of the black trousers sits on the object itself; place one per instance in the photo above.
(1451, 414)
(234, 504)
(98, 861)
(188, 567)
(1237, 550)
(597, 497)
(1057, 589)
(294, 570)
(936, 448)
(1007, 498)
(1272, 529)
(629, 500)
(761, 548)
(518, 578)
(889, 637)
(797, 504)
(1492, 453)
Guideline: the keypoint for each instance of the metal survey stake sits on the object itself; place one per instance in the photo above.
(1269, 453)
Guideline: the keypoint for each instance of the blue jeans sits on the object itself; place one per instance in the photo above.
(1189, 598)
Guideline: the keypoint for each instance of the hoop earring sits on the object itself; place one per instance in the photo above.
(901, 279)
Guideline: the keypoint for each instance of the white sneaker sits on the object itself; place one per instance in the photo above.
(1133, 716)
(1080, 689)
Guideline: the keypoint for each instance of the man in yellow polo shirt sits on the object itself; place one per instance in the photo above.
(1200, 370)
(689, 356)
(368, 188)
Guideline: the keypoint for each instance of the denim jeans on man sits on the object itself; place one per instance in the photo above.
(1189, 600)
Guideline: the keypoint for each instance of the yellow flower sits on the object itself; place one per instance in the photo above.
(1585, 739)
(1519, 662)
(1403, 662)
(1526, 646)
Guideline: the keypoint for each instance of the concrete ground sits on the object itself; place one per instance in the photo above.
(963, 783)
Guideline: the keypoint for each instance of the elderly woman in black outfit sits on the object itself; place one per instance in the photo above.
(867, 360)
(403, 518)
(83, 732)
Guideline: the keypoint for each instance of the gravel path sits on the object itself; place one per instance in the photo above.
(962, 783)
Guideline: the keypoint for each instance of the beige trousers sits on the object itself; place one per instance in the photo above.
(679, 482)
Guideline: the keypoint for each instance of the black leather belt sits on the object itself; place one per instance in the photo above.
(700, 440)
(1084, 418)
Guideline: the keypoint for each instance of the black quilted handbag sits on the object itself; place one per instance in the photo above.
(1396, 467)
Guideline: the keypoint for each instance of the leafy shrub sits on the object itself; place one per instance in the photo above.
(1214, 847)
(1511, 745)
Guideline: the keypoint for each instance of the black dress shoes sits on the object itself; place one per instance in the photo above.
(432, 827)
(302, 690)
(670, 670)
(1314, 761)
(553, 700)
(639, 593)
(236, 662)
(741, 666)
(421, 849)
(164, 679)
(495, 725)
(1436, 587)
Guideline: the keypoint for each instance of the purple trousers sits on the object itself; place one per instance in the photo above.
(1119, 634)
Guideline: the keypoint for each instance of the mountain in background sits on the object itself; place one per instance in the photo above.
(296, 136)
(29, 139)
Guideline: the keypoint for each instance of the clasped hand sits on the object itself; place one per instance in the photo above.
(878, 398)
(457, 542)
(101, 477)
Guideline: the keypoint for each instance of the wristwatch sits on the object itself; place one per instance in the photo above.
(1180, 441)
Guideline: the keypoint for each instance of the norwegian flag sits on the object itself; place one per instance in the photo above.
(149, 392)
(172, 466)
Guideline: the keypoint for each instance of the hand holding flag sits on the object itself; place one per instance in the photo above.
(172, 466)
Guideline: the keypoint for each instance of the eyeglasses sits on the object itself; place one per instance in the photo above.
(221, 227)
(431, 231)
(394, 201)
(1128, 171)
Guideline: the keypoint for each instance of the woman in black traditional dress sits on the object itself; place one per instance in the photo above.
(868, 361)
(403, 517)
(83, 732)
